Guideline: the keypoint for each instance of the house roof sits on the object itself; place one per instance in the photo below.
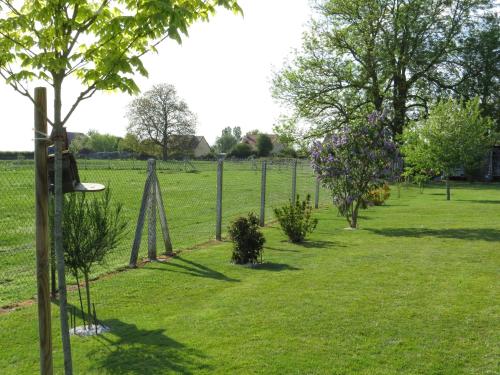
(191, 141)
(252, 138)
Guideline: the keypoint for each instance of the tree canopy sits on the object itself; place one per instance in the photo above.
(454, 136)
(366, 55)
(160, 116)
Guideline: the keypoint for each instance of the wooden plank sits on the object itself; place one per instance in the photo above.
(42, 232)
(152, 211)
(163, 220)
(140, 224)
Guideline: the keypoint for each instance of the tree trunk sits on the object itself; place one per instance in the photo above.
(164, 150)
(80, 298)
(87, 290)
(400, 93)
(58, 212)
(354, 220)
(448, 194)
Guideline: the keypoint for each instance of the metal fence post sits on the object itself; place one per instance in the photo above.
(294, 180)
(152, 211)
(316, 195)
(263, 193)
(42, 231)
(218, 227)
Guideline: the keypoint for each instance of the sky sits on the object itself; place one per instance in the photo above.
(223, 71)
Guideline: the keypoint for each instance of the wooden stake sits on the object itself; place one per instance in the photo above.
(42, 232)
(163, 220)
(152, 211)
(263, 194)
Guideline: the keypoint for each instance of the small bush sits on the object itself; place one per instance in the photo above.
(247, 238)
(377, 197)
(295, 219)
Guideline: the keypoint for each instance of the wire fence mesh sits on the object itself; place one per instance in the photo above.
(189, 192)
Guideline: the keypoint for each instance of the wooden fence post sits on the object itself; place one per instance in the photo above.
(152, 211)
(316, 195)
(263, 193)
(140, 223)
(42, 231)
(294, 181)
(163, 220)
(218, 226)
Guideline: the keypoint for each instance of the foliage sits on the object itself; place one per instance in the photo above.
(264, 145)
(228, 139)
(455, 135)
(364, 55)
(100, 43)
(480, 65)
(247, 238)
(92, 229)
(378, 196)
(296, 219)
(95, 142)
(241, 151)
(161, 117)
(353, 161)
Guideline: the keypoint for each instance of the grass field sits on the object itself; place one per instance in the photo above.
(414, 291)
(189, 195)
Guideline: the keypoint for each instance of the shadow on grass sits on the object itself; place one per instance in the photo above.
(478, 201)
(145, 352)
(485, 234)
(275, 267)
(190, 268)
(319, 244)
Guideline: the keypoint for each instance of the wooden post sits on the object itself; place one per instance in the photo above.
(152, 211)
(140, 224)
(42, 231)
(263, 194)
(316, 195)
(218, 226)
(163, 220)
(294, 181)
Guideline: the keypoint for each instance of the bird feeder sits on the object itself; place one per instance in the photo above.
(71, 179)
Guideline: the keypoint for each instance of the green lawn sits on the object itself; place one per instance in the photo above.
(414, 291)
(190, 200)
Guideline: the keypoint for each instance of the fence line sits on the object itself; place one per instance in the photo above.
(188, 190)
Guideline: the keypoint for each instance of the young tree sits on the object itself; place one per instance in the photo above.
(264, 145)
(228, 139)
(92, 229)
(455, 135)
(98, 42)
(160, 114)
(353, 161)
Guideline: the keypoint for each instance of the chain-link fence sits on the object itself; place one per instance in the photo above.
(189, 192)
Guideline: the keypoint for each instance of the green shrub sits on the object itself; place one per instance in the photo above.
(247, 238)
(377, 197)
(295, 219)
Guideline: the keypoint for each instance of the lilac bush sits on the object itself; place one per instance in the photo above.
(356, 159)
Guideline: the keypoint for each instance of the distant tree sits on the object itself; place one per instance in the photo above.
(241, 150)
(129, 143)
(78, 143)
(264, 145)
(253, 132)
(237, 133)
(98, 142)
(454, 135)
(160, 114)
(227, 140)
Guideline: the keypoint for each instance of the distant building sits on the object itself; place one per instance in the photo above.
(251, 139)
(189, 145)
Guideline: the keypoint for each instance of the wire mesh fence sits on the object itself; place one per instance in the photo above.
(189, 193)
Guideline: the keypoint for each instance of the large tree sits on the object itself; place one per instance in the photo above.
(98, 42)
(228, 139)
(362, 55)
(160, 116)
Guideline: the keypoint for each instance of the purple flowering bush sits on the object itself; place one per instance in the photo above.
(356, 159)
